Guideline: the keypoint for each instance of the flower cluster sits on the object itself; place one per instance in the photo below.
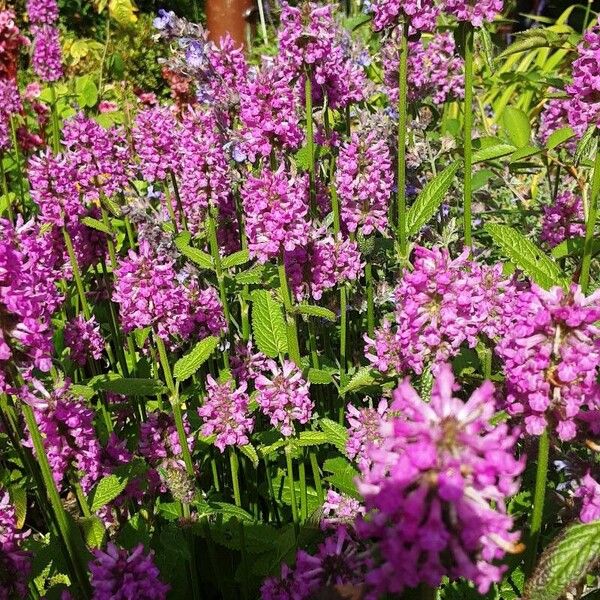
(421, 14)
(42, 12)
(247, 365)
(364, 181)
(225, 413)
(364, 431)
(563, 220)
(47, 53)
(554, 116)
(121, 575)
(276, 207)
(435, 489)
(339, 509)
(588, 493)
(84, 339)
(552, 359)
(285, 397)
(11, 41)
(477, 13)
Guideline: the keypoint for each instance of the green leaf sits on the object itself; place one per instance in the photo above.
(236, 259)
(336, 434)
(523, 253)
(250, 451)
(224, 508)
(559, 137)
(268, 325)
(187, 365)
(364, 377)
(488, 47)
(480, 178)
(202, 259)
(565, 562)
(93, 531)
(95, 224)
(315, 311)
(516, 126)
(84, 391)
(319, 376)
(342, 475)
(311, 438)
(524, 152)
(87, 92)
(492, 152)
(253, 275)
(573, 247)
(171, 511)
(18, 498)
(587, 145)
(131, 386)
(107, 489)
(429, 199)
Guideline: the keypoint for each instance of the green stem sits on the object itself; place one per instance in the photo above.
(271, 490)
(215, 474)
(175, 403)
(310, 140)
(370, 303)
(590, 226)
(316, 476)
(235, 467)
(292, 328)
(77, 275)
(216, 256)
(586, 17)
(468, 132)
(15, 143)
(68, 533)
(292, 488)
(170, 209)
(178, 200)
(538, 498)
(9, 209)
(303, 491)
(312, 341)
(109, 238)
(263, 25)
(55, 127)
(402, 120)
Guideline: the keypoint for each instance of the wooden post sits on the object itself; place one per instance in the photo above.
(234, 17)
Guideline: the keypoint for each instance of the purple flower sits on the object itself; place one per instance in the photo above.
(364, 431)
(121, 575)
(67, 426)
(47, 53)
(364, 181)
(276, 207)
(422, 14)
(554, 117)
(42, 12)
(84, 339)
(551, 359)
(225, 413)
(159, 441)
(156, 137)
(436, 488)
(589, 493)
(11, 104)
(476, 12)
(246, 365)
(285, 397)
(563, 220)
(340, 509)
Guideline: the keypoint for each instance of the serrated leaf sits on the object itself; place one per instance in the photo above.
(253, 275)
(565, 562)
(171, 511)
(131, 386)
(319, 376)
(224, 508)
(311, 438)
(523, 253)
(87, 91)
(95, 224)
(187, 365)
(524, 152)
(107, 489)
(429, 199)
(487, 45)
(364, 377)
(336, 433)
(342, 475)
(18, 498)
(267, 449)
(250, 451)
(559, 137)
(315, 311)
(84, 391)
(586, 148)
(516, 126)
(93, 531)
(534, 38)
(573, 247)
(492, 152)
(202, 259)
(268, 325)
(236, 259)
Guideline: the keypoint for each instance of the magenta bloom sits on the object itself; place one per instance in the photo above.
(225, 413)
(247, 365)
(15, 564)
(121, 575)
(477, 13)
(53, 183)
(589, 493)
(563, 220)
(84, 339)
(156, 137)
(364, 431)
(67, 426)
(340, 509)
(434, 69)
(422, 14)
(364, 181)
(11, 104)
(436, 488)
(47, 53)
(551, 359)
(553, 117)
(284, 398)
(42, 12)
(276, 207)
